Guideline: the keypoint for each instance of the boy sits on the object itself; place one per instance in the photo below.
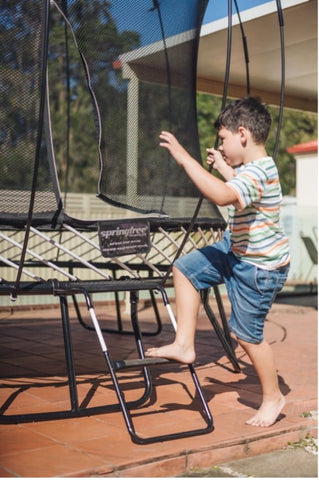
(253, 257)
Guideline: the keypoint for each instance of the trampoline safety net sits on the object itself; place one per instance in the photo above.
(86, 89)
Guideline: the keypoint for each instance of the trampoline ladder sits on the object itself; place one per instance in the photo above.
(145, 363)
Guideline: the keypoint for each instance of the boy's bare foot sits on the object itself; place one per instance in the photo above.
(268, 412)
(173, 351)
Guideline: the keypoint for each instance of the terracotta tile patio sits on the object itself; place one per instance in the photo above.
(33, 379)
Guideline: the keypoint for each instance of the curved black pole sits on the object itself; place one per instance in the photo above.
(44, 60)
(156, 7)
(245, 47)
(68, 112)
(224, 99)
(282, 89)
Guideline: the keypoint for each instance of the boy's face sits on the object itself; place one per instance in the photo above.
(231, 146)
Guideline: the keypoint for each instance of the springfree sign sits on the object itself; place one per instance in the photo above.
(124, 237)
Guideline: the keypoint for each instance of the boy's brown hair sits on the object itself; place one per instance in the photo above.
(246, 112)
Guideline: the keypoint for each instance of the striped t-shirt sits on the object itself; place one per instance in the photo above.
(256, 234)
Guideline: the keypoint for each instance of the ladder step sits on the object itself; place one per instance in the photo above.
(139, 362)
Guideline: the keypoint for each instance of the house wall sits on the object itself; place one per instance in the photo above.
(307, 179)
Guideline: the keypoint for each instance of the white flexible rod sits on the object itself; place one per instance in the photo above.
(172, 240)
(26, 272)
(73, 255)
(169, 309)
(190, 238)
(161, 252)
(149, 264)
(42, 259)
(95, 322)
(171, 316)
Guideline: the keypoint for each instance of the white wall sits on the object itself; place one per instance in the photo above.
(307, 179)
(296, 220)
(300, 217)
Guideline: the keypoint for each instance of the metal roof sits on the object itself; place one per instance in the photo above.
(261, 28)
(262, 32)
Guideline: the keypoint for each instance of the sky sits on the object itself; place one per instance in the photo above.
(217, 9)
(171, 10)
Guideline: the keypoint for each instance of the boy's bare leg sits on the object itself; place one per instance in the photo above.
(187, 306)
(273, 401)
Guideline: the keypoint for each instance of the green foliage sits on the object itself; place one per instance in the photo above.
(297, 127)
(74, 119)
(307, 442)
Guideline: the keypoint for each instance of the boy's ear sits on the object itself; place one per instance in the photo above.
(243, 133)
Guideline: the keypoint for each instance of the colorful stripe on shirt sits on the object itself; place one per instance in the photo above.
(256, 234)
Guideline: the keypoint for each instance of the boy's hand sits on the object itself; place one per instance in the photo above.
(215, 158)
(174, 147)
(217, 161)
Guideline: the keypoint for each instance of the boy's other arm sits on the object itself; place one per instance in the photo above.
(211, 187)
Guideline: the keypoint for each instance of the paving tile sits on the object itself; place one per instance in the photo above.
(4, 473)
(110, 449)
(33, 376)
(50, 462)
(165, 468)
(16, 438)
(19, 400)
(68, 430)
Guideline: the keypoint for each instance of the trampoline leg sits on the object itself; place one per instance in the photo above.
(222, 314)
(68, 353)
(157, 315)
(224, 338)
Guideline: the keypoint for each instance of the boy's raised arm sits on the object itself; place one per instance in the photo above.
(211, 187)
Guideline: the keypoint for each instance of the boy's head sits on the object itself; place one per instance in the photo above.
(246, 112)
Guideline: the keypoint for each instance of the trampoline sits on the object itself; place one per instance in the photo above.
(107, 77)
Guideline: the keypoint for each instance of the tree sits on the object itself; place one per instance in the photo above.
(74, 118)
(297, 127)
(20, 80)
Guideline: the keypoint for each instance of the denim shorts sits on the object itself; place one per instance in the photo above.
(251, 290)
